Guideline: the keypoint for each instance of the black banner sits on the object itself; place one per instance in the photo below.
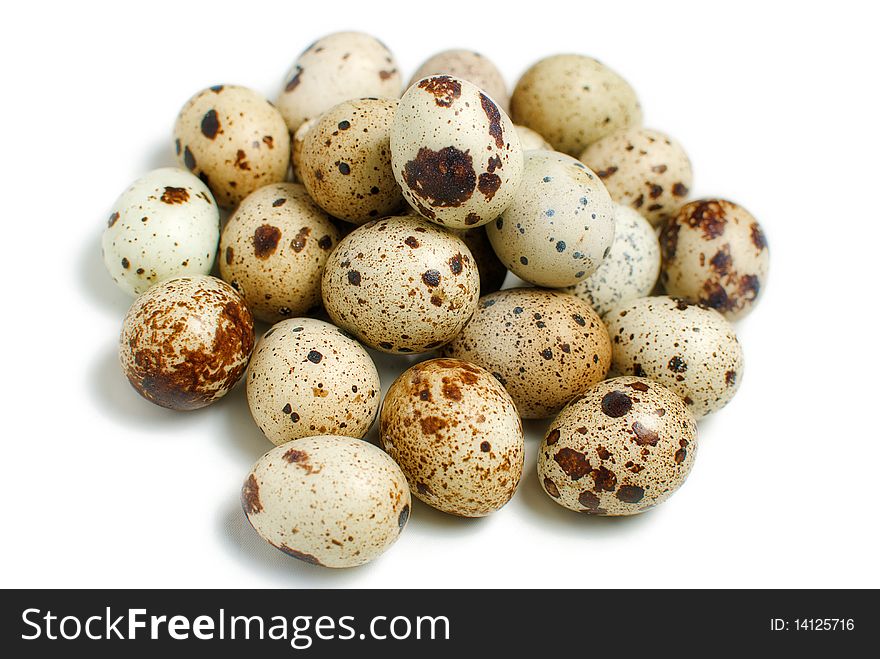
(419, 623)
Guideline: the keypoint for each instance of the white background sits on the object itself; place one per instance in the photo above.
(776, 103)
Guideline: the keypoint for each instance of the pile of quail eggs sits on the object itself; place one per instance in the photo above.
(362, 217)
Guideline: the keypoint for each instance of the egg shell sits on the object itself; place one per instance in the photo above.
(560, 224)
(643, 168)
(690, 349)
(573, 101)
(401, 285)
(346, 161)
(531, 140)
(492, 270)
(623, 447)
(296, 147)
(166, 224)
(630, 270)
(715, 253)
(328, 500)
(273, 250)
(455, 153)
(545, 347)
(186, 342)
(456, 435)
(336, 68)
(234, 140)
(467, 65)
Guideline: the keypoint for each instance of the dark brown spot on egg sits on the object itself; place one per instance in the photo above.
(493, 114)
(112, 220)
(680, 190)
(656, 191)
(241, 162)
(125, 263)
(489, 184)
(605, 173)
(455, 264)
(412, 241)
(250, 496)
(299, 240)
(210, 124)
(630, 493)
(721, 262)
(589, 501)
(325, 242)
(573, 463)
(189, 159)
(354, 278)
(278, 202)
(432, 425)
(444, 89)
(431, 278)
(174, 195)
(758, 238)
(677, 365)
(553, 437)
(294, 81)
(645, 435)
(616, 403)
(451, 390)
(730, 378)
(708, 216)
(485, 447)
(444, 178)
(266, 239)
(403, 517)
(603, 479)
(638, 386)
(230, 253)
(471, 219)
(295, 553)
(551, 488)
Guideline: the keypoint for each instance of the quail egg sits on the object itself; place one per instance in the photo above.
(690, 349)
(401, 285)
(273, 250)
(715, 253)
(164, 225)
(642, 168)
(560, 224)
(545, 347)
(336, 68)
(530, 140)
(573, 101)
(346, 161)
(455, 153)
(625, 446)
(234, 140)
(456, 435)
(329, 500)
(631, 267)
(186, 342)
(467, 65)
(492, 270)
(296, 147)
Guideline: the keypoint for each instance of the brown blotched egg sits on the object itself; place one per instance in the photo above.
(346, 161)
(467, 65)
(329, 500)
(691, 349)
(234, 140)
(456, 435)
(307, 377)
(715, 253)
(273, 250)
(642, 168)
(455, 153)
(401, 284)
(625, 446)
(560, 224)
(186, 342)
(573, 101)
(337, 68)
(545, 347)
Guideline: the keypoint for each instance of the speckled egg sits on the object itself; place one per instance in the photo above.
(560, 224)
(337, 68)
(186, 342)
(401, 284)
(164, 225)
(573, 101)
(455, 153)
(642, 168)
(630, 270)
(296, 147)
(329, 500)
(545, 347)
(307, 377)
(492, 270)
(531, 140)
(234, 140)
(715, 253)
(625, 446)
(346, 161)
(690, 349)
(273, 250)
(467, 65)
(456, 435)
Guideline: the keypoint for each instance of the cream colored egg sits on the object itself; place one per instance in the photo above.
(690, 349)
(630, 270)
(328, 500)
(623, 447)
(531, 140)
(642, 168)
(545, 347)
(467, 65)
(338, 67)
(166, 224)
(715, 253)
(296, 147)
(455, 153)
(234, 140)
(401, 285)
(573, 101)
(560, 224)
(273, 250)
(456, 435)
(346, 161)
